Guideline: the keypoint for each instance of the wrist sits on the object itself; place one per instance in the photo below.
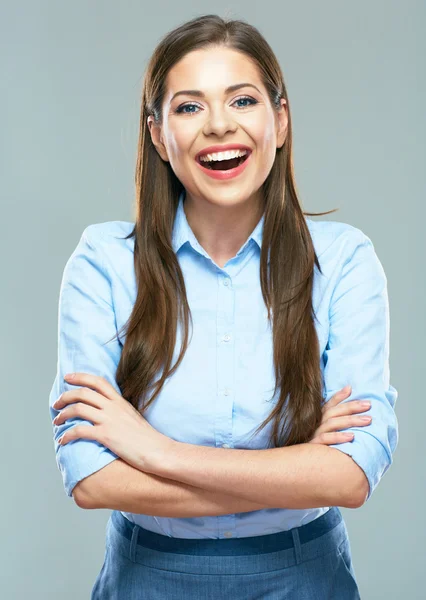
(161, 461)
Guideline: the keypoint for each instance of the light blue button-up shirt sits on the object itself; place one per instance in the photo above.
(223, 388)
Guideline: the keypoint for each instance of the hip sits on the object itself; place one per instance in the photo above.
(312, 561)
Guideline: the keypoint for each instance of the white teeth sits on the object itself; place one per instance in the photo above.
(223, 155)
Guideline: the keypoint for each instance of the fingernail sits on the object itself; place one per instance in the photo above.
(346, 388)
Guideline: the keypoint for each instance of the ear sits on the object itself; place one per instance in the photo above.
(156, 137)
(282, 116)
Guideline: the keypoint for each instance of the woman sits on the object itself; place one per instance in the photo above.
(232, 345)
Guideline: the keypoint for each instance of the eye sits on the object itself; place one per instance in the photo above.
(180, 109)
(249, 98)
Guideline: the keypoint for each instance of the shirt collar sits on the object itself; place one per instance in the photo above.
(183, 233)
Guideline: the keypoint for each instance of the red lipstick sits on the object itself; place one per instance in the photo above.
(228, 173)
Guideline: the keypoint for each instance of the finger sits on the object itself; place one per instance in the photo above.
(79, 410)
(337, 398)
(345, 408)
(349, 408)
(87, 432)
(336, 437)
(338, 423)
(95, 382)
(84, 394)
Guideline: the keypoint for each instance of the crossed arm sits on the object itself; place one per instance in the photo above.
(200, 481)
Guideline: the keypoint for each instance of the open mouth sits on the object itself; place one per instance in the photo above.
(224, 165)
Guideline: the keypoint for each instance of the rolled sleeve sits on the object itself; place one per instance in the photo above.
(357, 353)
(86, 324)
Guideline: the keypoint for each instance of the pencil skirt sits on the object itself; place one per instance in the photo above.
(310, 562)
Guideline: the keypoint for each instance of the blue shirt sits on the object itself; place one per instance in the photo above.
(222, 390)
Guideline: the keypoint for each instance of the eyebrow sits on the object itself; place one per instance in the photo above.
(200, 94)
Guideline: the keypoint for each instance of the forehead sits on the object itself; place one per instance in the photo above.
(211, 70)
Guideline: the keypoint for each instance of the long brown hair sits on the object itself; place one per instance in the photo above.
(286, 282)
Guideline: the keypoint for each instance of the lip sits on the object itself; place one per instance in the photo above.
(221, 148)
(230, 173)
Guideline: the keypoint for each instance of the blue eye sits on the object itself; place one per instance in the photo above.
(180, 109)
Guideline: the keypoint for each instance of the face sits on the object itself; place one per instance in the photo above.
(192, 122)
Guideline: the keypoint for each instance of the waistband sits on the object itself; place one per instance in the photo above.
(246, 545)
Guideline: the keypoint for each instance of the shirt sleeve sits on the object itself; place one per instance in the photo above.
(86, 323)
(357, 353)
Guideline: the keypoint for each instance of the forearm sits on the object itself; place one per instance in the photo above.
(299, 476)
(119, 486)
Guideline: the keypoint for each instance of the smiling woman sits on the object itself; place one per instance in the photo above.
(233, 110)
(243, 422)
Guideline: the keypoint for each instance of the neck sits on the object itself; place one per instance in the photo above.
(222, 230)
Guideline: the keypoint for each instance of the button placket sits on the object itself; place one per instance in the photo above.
(225, 380)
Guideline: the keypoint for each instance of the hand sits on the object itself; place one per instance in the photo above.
(116, 422)
(338, 416)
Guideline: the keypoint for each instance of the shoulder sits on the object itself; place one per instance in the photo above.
(336, 237)
(109, 238)
(346, 253)
(107, 245)
(109, 232)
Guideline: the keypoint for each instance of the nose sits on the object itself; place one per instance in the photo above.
(219, 122)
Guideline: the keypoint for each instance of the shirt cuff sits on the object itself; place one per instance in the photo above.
(369, 453)
(74, 464)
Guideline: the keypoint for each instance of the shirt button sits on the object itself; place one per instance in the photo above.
(226, 337)
(226, 281)
(226, 391)
(226, 446)
(227, 534)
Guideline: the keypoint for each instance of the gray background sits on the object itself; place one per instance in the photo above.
(71, 75)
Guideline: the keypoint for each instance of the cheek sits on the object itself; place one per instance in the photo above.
(180, 163)
(180, 138)
(260, 128)
(266, 134)
(176, 151)
(266, 148)
(180, 148)
(266, 142)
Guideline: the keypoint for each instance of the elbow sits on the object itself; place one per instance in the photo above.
(360, 491)
(364, 492)
(352, 487)
(81, 498)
